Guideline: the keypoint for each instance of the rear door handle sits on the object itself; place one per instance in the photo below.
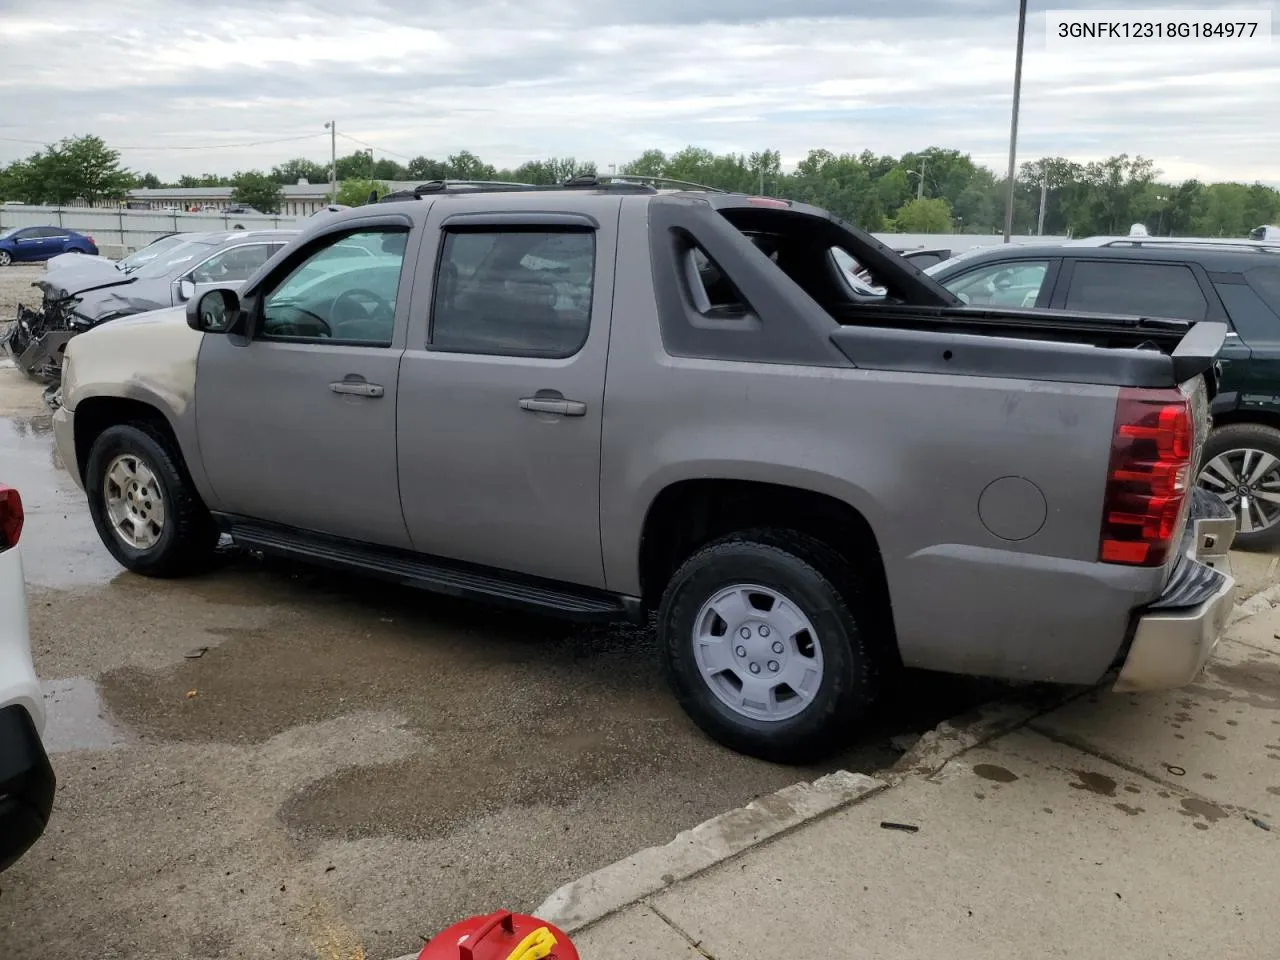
(558, 406)
(357, 388)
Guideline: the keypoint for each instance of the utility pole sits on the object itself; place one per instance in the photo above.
(920, 185)
(332, 127)
(1044, 192)
(1013, 125)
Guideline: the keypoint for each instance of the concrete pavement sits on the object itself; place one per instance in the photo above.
(1134, 826)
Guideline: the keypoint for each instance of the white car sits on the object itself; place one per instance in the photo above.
(26, 778)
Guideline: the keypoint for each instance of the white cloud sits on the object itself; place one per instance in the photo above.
(600, 79)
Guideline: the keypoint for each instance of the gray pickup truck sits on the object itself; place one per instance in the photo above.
(608, 400)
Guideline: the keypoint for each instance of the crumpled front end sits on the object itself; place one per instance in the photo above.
(39, 336)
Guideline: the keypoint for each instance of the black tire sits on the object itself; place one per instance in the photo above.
(1245, 436)
(825, 588)
(188, 537)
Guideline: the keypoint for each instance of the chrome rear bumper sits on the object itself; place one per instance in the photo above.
(1172, 643)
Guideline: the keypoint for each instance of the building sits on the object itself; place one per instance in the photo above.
(301, 199)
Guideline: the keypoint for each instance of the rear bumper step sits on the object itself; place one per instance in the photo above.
(1178, 633)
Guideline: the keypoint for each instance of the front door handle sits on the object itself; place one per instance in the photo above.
(555, 405)
(357, 388)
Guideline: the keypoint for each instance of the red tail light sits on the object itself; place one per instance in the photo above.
(11, 517)
(1148, 477)
(768, 202)
(89, 237)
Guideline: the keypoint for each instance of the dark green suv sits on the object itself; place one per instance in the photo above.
(1233, 282)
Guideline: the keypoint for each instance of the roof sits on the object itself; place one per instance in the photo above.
(1222, 257)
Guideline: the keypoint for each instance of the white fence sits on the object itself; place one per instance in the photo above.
(127, 230)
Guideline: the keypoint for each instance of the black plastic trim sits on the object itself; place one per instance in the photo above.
(784, 325)
(507, 219)
(438, 575)
(976, 355)
(27, 784)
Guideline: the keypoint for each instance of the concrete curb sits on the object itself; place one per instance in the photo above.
(591, 898)
(953, 737)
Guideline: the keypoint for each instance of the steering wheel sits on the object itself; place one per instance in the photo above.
(353, 305)
(297, 330)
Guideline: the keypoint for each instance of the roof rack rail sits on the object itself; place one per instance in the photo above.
(1261, 246)
(646, 179)
(622, 182)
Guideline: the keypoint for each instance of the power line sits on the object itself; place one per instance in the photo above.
(209, 146)
(371, 146)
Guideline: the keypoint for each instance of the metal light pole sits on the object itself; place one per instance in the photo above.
(1013, 126)
(332, 127)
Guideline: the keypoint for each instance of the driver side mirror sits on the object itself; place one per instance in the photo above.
(216, 311)
(186, 289)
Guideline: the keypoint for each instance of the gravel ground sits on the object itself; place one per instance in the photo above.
(15, 286)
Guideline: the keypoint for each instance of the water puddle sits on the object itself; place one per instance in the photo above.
(60, 546)
(77, 719)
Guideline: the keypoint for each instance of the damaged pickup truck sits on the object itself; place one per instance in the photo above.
(604, 401)
(77, 300)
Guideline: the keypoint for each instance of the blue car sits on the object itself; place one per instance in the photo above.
(41, 243)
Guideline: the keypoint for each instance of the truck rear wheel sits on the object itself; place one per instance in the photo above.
(1241, 464)
(146, 510)
(761, 638)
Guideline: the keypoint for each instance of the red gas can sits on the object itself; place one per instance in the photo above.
(500, 936)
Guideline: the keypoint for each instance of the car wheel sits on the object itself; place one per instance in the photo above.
(1241, 464)
(6, 258)
(762, 640)
(144, 505)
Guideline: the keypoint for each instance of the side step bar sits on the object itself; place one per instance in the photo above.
(437, 575)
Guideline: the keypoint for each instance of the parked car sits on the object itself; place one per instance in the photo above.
(19, 244)
(103, 264)
(26, 777)
(1222, 281)
(73, 304)
(605, 401)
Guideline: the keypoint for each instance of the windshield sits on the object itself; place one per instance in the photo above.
(176, 258)
(152, 250)
(9, 233)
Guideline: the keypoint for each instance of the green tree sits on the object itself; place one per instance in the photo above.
(205, 180)
(148, 180)
(551, 170)
(651, 163)
(253, 188)
(89, 169)
(425, 168)
(353, 193)
(929, 215)
(300, 168)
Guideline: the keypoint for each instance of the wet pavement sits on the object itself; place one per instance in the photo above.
(275, 761)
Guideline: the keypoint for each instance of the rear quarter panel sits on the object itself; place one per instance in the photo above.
(914, 454)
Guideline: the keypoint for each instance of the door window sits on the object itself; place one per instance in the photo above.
(519, 293)
(339, 292)
(1136, 289)
(1005, 284)
(235, 264)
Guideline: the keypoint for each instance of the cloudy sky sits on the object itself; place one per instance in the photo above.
(514, 80)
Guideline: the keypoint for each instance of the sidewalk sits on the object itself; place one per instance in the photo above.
(1126, 826)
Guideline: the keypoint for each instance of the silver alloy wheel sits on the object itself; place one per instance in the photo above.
(1249, 481)
(135, 502)
(758, 652)
(5, 258)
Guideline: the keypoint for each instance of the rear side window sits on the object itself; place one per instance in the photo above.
(1136, 289)
(1252, 318)
(518, 293)
(1265, 282)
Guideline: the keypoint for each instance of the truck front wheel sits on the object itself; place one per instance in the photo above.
(761, 638)
(146, 510)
